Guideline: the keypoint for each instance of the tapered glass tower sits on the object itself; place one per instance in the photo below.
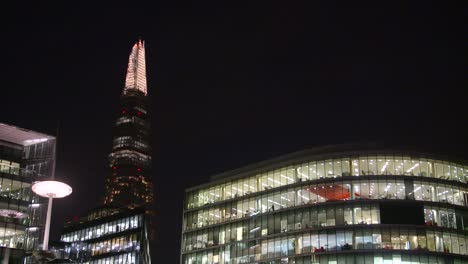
(128, 183)
(122, 230)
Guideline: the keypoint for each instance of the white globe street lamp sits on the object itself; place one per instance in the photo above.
(51, 190)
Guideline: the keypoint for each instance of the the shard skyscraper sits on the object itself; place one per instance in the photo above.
(129, 183)
(121, 230)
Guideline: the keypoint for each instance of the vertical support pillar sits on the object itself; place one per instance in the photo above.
(45, 244)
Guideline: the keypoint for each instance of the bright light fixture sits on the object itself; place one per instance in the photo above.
(34, 141)
(51, 189)
(12, 213)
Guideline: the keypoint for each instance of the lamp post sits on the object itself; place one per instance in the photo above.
(50, 190)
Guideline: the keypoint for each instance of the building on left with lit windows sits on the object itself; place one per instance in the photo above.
(25, 156)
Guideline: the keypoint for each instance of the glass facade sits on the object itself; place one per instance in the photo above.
(25, 157)
(104, 229)
(120, 233)
(331, 168)
(307, 193)
(331, 210)
(129, 181)
(129, 258)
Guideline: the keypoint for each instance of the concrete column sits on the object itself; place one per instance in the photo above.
(45, 245)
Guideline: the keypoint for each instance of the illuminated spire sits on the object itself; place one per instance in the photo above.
(136, 72)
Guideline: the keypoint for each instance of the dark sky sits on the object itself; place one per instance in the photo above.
(232, 85)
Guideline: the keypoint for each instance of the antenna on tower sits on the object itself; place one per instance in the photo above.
(140, 39)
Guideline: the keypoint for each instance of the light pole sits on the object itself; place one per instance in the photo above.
(51, 190)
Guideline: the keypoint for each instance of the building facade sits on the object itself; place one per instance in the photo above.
(331, 205)
(121, 230)
(106, 236)
(25, 156)
(129, 182)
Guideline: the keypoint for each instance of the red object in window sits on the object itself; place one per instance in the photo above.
(138, 169)
(332, 192)
(114, 167)
(138, 113)
(124, 111)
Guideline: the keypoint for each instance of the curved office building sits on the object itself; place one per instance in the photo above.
(331, 205)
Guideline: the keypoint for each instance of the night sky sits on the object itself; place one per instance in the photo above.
(233, 85)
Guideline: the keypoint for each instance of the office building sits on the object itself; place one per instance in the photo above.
(344, 204)
(107, 235)
(25, 156)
